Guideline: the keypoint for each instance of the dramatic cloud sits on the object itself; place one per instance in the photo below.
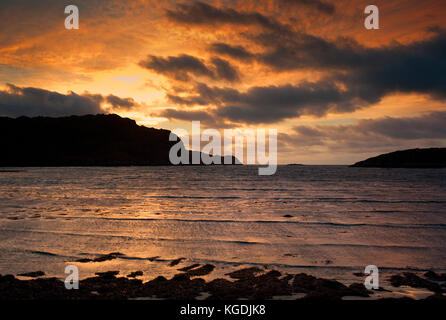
(366, 75)
(199, 13)
(31, 102)
(234, 63)
(187, 115)
(120, 103)
(224, 70)
(16, 101)
(321, 6)
(182, 67)
(380, 132)
(430, 126)
(370, 73)
(179, 67)
(237, 52)
(272, 103)
(275, 103)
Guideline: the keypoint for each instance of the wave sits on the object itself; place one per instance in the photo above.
(299, 266)
(191, 197)
(310, 223)
(226, 241)
(355, 200)
(44, 253)
(236, 263)
(49, 254)
(95, 235)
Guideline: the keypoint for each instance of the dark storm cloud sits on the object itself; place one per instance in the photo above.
(434, 29)
(237, 52)
(275, 103)
(189, 100)
(31, 102)
(205, 95)
(199, 13)
(224, 70)
(183, 66)
(321, 6)
(368, 73)
(415, 68)
(179, 67)
(365, 74)
(17, 101)
(430, 126)
(272, 103)
(120, 103)
(207, 118)
(186, 115)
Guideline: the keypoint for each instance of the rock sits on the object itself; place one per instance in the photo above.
(7, 278)
(87, 140)
(102, 258)
(413, 158)
(434, 276)
(107, 257)
(222, 289)
(108, 286)
(153, 258)
(244, 273)
(436, 296)
(201, 271)
(179, 287)
(180, 277)
(250, 283)
(176, 261)
(358, 290)
(269, 285)
(33, 274)
(135, 274)
(193, 266)
(318, 288)
(248, 286)
(412, 280)
(107, 275)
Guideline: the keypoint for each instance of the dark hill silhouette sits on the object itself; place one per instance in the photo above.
(90, 140)
(412, 158)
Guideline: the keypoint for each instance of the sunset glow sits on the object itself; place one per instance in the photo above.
(235, 64)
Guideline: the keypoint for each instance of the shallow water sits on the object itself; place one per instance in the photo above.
(343, 219)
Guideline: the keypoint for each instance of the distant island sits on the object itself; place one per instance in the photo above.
(412, 158)
(90, 140)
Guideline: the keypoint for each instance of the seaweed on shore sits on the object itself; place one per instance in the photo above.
(249, 283)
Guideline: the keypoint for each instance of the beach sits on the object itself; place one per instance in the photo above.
(327, 222)
(247, 283)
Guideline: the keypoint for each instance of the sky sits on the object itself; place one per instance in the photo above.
(336, 92)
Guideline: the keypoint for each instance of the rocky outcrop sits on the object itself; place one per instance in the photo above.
(90, 140)
(413, 158)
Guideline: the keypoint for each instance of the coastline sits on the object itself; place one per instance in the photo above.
(251, 283)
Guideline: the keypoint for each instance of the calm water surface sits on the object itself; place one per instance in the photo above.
(342, 219)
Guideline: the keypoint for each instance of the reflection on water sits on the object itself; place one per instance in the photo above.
(329, 221)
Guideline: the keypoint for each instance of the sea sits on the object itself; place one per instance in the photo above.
(328, 221)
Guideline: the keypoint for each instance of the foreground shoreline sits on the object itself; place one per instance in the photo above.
(248, 284)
